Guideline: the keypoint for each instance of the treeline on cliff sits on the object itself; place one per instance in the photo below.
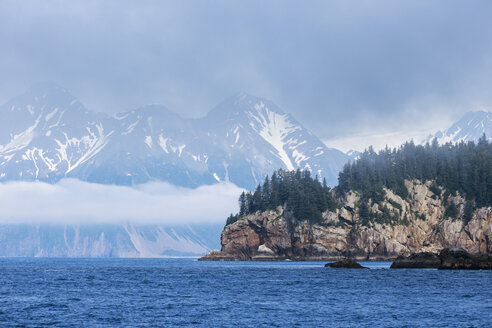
(463, 167)
(306, 197)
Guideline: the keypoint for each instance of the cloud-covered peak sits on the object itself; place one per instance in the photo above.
(47, 88)
(470, 127)
(242, 105)
(154, 110)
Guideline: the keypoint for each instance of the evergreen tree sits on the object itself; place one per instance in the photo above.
(302, 195)
(243, 207)
(451, 211)
(364, 212)
(464, 167)
(468, 212)
(266, 194)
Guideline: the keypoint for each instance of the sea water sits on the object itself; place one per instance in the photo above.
(189, 293)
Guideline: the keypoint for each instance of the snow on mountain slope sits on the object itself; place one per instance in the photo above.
(47, 134)
(274, 128)
(353, 154)
(470, 127)
(267, 137)
(150, 143)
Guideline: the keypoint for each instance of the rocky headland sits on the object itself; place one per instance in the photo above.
(418, 224)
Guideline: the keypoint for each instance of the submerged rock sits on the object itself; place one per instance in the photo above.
(459, 259)
(424, 260)
(346, 263)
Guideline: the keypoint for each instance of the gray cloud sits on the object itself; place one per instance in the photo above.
(73, 201)
(341, 67)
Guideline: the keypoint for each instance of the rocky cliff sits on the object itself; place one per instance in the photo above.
(418, 224)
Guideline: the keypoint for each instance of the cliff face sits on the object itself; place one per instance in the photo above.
(419, 226)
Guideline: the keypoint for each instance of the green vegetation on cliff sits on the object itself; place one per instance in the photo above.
(465, 168)
(306, 197)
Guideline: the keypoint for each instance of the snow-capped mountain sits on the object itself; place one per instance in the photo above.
(470, 127)
(262, 136)
(47, 134)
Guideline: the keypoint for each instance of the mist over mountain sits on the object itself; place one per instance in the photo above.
(46, 134)
(470, 127)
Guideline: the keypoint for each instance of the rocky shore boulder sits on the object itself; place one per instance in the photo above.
(424, 260)
(217, 255)
(458, 259)
(345, 263)
(454, 258)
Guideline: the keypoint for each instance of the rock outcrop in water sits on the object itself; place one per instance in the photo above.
(424, 260)
(345, 263)
(420, 225)
(449, 258)
(459, 259)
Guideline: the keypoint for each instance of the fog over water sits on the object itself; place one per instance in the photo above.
(77, 202)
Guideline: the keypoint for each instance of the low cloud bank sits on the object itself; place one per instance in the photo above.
(74, 201)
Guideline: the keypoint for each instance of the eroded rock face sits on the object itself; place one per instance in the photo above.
(268, 229)
(421, 227)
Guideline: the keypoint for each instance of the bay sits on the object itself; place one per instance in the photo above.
(188, 293)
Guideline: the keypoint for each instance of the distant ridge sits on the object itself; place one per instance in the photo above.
(47, 134)
(470, 127)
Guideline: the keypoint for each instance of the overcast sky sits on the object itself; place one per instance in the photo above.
(351, 71)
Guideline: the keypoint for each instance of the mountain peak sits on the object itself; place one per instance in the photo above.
(241, 140)
(240, 105)
(241, 95)
(255, 102)
(470, 127)
(476, 115)
(46, 88)
(49, 93)
(42, 98)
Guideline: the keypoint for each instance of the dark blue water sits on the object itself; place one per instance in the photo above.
(185, 293)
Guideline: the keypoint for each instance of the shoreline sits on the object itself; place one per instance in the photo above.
(262, 258)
